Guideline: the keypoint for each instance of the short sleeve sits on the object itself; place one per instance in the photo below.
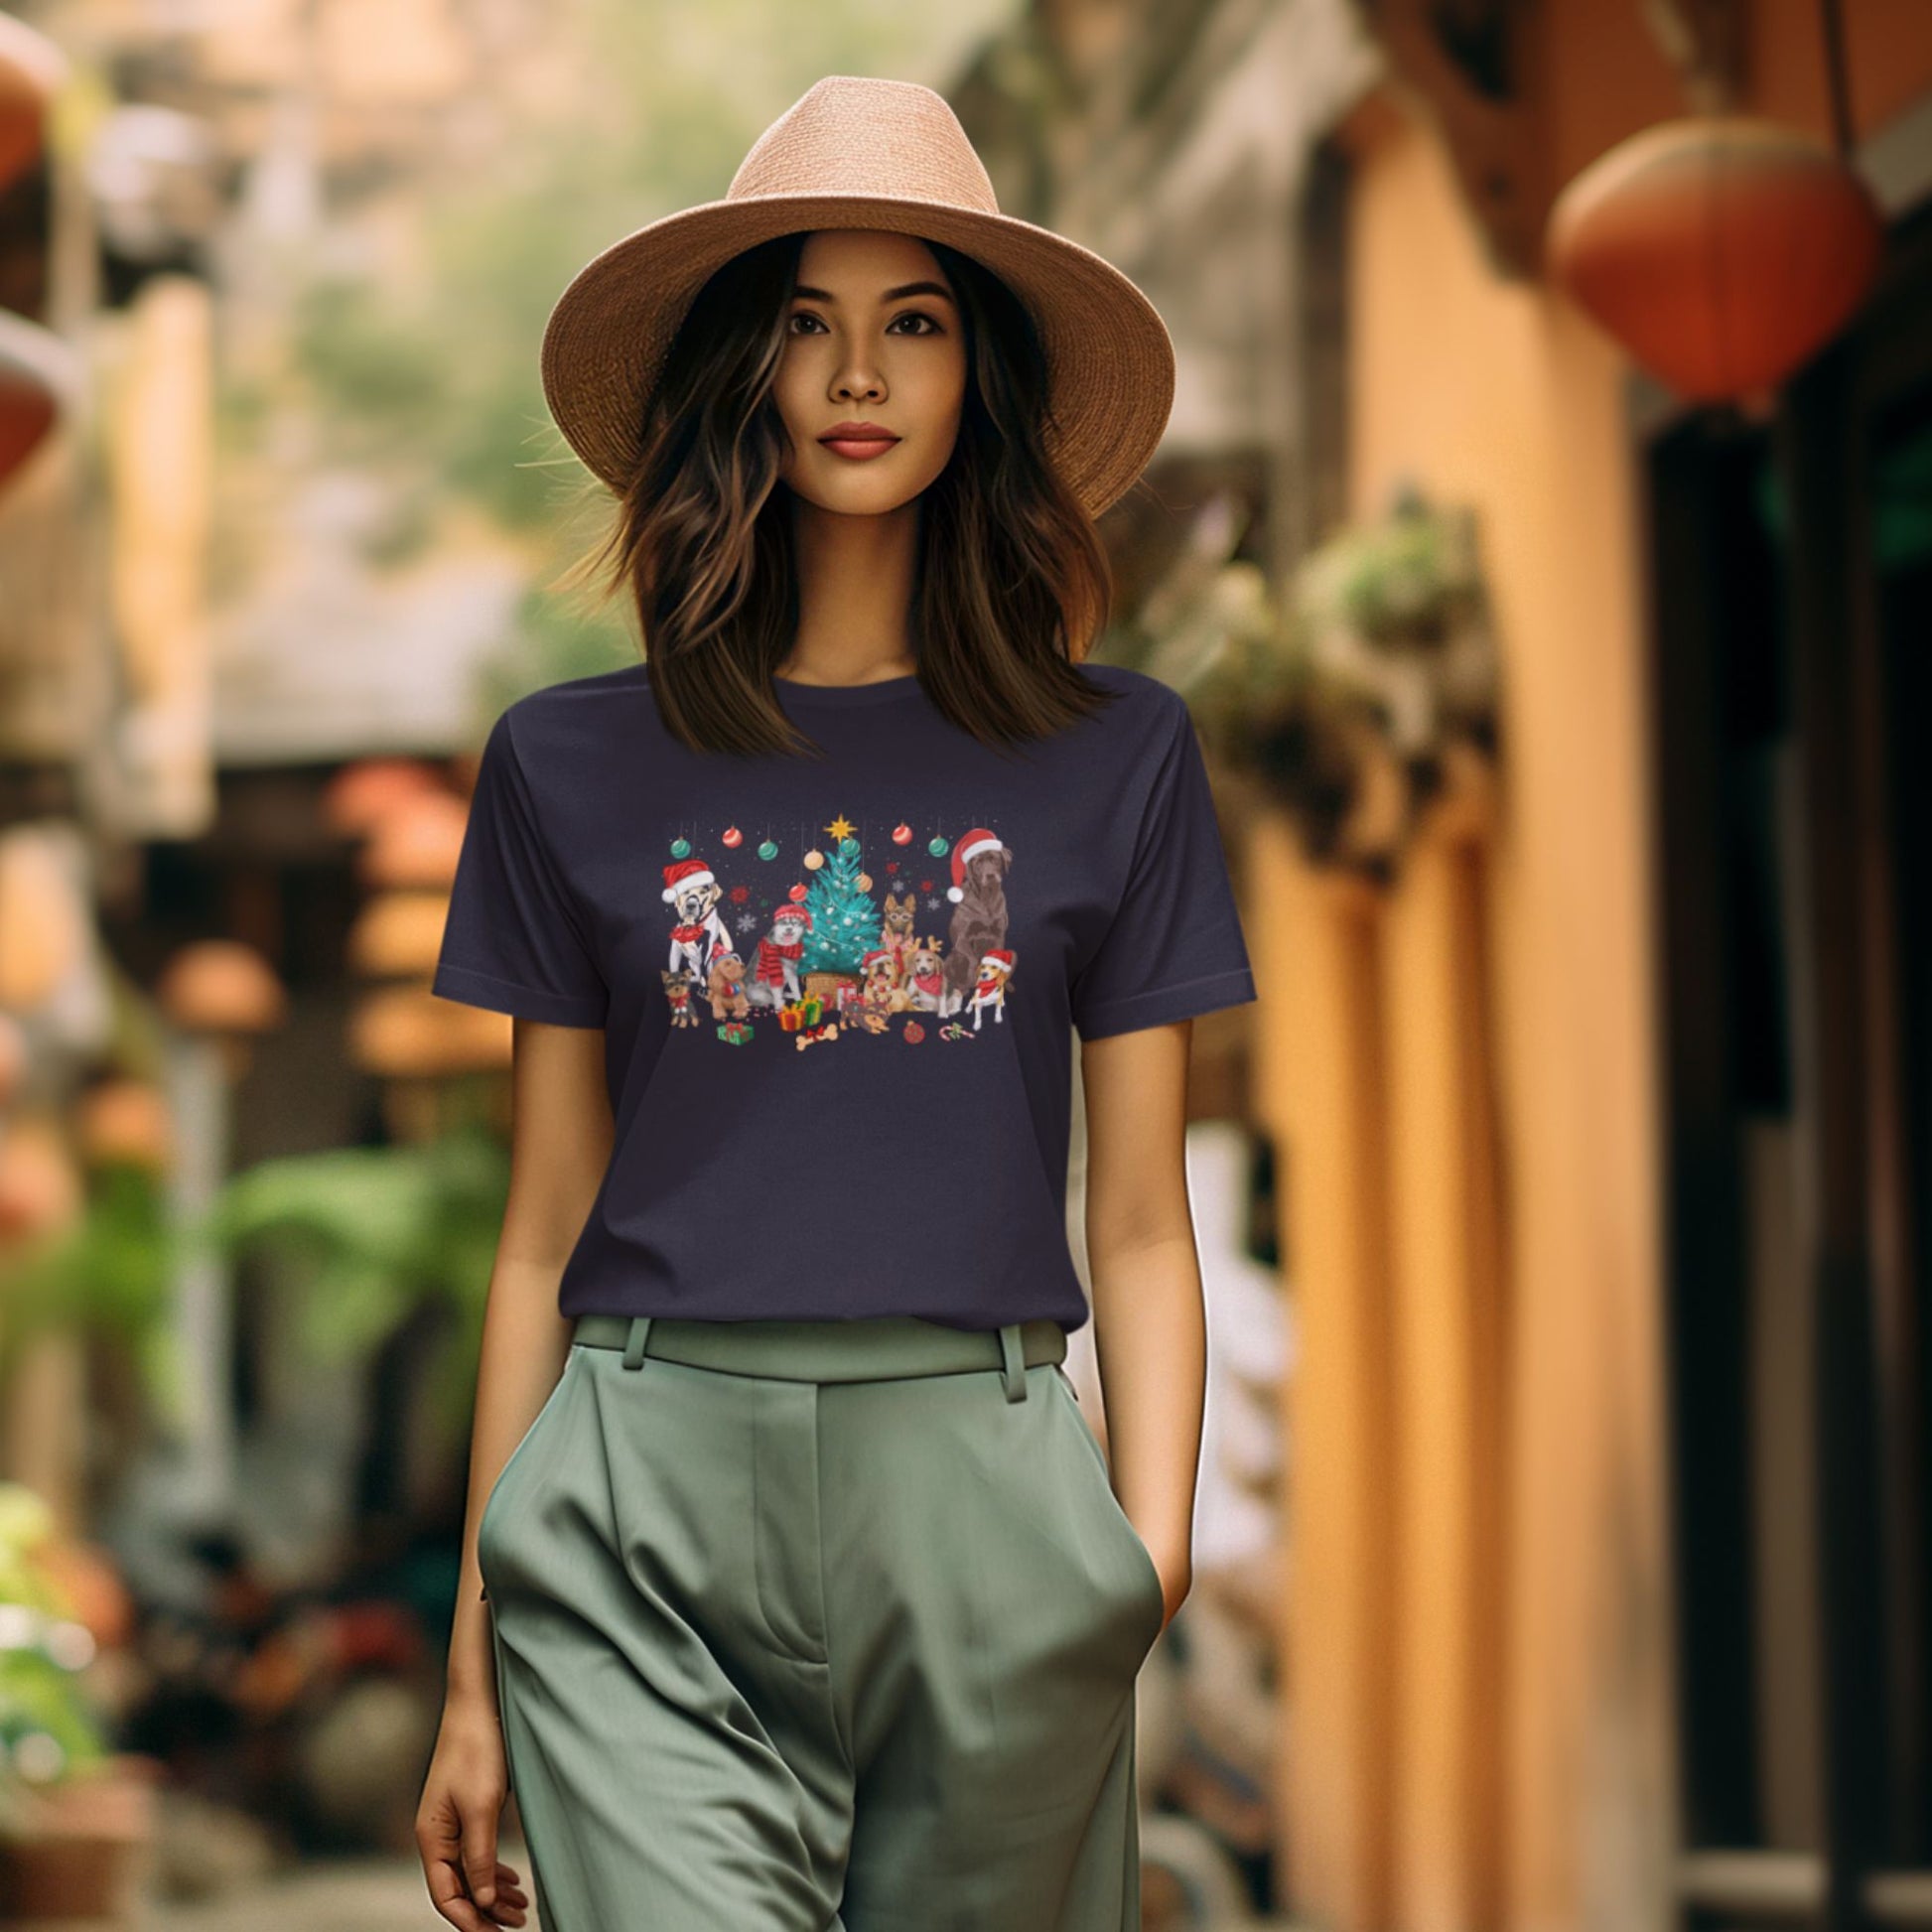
(1174, 949)
(513, 939)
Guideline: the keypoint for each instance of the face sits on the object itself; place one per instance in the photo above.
(874, 338)
(694, 901)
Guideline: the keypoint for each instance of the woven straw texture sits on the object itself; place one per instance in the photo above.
(860, 152)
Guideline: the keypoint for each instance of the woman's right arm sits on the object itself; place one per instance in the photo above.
(560, 1142)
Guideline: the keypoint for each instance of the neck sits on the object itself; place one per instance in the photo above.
(855, 594)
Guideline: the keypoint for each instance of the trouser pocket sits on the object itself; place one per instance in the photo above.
(1105, 1504)
(527, 1462)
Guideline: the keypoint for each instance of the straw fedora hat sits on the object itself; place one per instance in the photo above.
(859, 153)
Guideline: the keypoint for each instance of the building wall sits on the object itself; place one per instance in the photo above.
(1510, 401)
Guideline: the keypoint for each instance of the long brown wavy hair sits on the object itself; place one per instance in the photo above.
(1011, 583)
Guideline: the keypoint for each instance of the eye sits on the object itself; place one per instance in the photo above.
(932, 328)
(806, 315)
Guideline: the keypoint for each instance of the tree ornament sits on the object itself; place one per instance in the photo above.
(769, 849)
(733, 836)
(938, 847)
(901, 833)
(680, 847)
(814, 859)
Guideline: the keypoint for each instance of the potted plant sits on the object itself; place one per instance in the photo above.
(77, 1821)
(367, 1238)
(106, 1274)
(1354, 699)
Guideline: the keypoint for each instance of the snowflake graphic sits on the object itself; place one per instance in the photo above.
(748, 923)
(932, 905)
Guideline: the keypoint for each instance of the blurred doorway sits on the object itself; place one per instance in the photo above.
(1791, 582)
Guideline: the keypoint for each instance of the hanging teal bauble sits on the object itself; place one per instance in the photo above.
(847, 847)
(768, 850)
(680, 848)
(937, 846)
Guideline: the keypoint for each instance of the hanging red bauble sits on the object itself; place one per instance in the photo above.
(1722, 252)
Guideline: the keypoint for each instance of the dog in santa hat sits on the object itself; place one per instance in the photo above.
(990, 989)
(700, 935)
(980, 860)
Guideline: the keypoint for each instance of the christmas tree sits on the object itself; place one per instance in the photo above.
(845, 922)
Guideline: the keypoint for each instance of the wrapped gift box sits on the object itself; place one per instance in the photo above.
(802, 1013)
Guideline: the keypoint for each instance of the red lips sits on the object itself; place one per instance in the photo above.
(858, 433)
(859, 441)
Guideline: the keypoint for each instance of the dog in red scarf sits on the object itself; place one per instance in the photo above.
(776, 982)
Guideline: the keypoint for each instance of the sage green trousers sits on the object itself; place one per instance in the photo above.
(819, 1626)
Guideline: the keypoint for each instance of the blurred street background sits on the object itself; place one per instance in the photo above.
(1542, 541)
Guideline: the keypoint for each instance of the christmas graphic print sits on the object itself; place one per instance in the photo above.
(755, 945)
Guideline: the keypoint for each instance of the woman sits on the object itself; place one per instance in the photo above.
(796, 1591)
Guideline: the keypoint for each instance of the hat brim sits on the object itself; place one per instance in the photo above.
(1110, 360)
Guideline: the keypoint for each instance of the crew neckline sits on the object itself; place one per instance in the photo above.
(876, 691)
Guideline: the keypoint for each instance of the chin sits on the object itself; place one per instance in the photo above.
(859, 498)
(833, 483)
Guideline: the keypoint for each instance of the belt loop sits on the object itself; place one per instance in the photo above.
(1012, 1362)
(633, 1348)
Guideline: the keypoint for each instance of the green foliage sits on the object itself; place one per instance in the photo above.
(554, 641)
(1348, 697)
(109, 1272)
(49, 1728)
(1406, 579)
(364, 1236)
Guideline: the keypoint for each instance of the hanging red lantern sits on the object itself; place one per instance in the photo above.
(32, 69)
(1720, 251)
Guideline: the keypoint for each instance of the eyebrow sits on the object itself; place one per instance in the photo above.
(806, 294)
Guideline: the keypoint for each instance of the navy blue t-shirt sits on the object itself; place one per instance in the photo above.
(839, 995)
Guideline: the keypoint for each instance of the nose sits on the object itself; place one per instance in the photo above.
(856, 379)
